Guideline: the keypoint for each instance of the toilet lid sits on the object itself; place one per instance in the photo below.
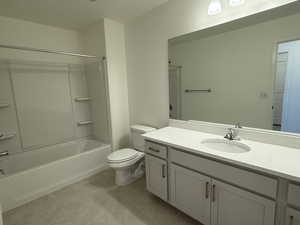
(122, 155)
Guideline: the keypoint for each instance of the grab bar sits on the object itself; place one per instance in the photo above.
(6, 136)
(197, 90)
(5, 153)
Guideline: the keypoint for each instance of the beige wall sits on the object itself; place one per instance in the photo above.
(238, 66)
(147, 50)
(117, 82)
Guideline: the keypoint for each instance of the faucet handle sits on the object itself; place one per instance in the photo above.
(230, 129)
(238, 125)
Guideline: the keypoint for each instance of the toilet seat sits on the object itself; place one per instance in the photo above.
(122, 155)
(122, 159)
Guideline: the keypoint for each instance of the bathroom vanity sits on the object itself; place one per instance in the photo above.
(216, 186)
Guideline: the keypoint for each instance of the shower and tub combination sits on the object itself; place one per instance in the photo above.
(55, 124)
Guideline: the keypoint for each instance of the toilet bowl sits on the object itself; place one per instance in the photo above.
(128, 163)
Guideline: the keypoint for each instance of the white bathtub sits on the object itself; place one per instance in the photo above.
(33, 174)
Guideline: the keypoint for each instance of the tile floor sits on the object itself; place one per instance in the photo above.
(97, 201)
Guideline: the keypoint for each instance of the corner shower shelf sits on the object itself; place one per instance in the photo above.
(6, 136)
(4, 105)
(82, 99)
(82, 123)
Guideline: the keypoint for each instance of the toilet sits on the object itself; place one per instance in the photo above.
(128, 163)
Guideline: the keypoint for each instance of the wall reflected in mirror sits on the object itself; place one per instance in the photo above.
(246, 72)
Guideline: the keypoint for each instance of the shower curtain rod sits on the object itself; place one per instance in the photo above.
(47, 51)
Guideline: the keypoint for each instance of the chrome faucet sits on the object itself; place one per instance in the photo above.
(232, 133)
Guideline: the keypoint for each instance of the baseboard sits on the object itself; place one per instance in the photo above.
(55, 187)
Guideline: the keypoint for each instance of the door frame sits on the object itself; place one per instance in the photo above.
(178, 89)
(274, 72)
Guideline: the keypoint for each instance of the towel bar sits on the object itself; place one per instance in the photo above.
(81, 99)
(197, 90)
(6, 136)
(81, 123)
(4, 105)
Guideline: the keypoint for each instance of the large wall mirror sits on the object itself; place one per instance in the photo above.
(246, 71)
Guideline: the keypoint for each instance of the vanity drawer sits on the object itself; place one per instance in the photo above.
(294, 195)
(156, 149)
(251, 181)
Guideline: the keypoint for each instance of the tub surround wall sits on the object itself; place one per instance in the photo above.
(80, 89)
(43, 98)
(41, 111)
(107, 38)
(8, 119)
(93, 39)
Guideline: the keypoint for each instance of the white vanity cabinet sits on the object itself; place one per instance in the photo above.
(234, 206)
(213, 202)
(156, 170)
(190, 192)
(211, 192)
(292, 217)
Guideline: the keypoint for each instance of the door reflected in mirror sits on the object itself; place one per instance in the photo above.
(247, 72)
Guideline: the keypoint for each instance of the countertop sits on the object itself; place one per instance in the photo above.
(275, 160)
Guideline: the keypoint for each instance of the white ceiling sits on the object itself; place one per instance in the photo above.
(75, 14)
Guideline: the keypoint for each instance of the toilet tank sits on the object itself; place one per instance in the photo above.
(137, 139)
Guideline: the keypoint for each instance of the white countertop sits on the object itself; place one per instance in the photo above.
(272, 159)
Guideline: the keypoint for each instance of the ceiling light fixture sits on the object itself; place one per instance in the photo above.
(215, 7)
(236, 2)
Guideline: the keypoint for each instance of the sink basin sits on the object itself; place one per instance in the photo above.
(224, 145)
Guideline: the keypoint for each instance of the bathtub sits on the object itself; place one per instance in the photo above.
(32, 174)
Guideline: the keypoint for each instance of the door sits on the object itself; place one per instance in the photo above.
(278, 90)
(290, 121)
(292, 217)
(190, 193)
(233, 206)
(156, 176)
(174, 92)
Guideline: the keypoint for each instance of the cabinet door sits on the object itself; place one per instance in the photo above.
(190, 193)
(156, 175)
(292, 217)
(233, 206)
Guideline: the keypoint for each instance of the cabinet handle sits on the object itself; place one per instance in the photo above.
(154, 150)
(163, 168)
(291, 220)
(214, 192)
(206, 190)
